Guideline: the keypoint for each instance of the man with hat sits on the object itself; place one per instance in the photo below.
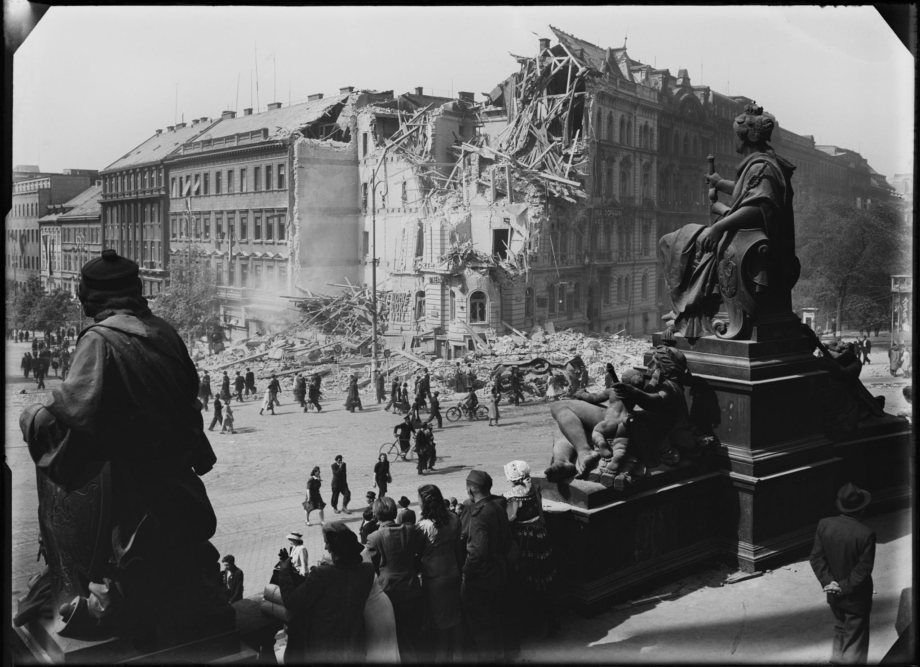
(380, 383)
(842, 559)
(435, 411)
(340, 485)
(485, 569)
(250, 379)
(204, 390)
(125, 430)
(405, 515)
(368, 522)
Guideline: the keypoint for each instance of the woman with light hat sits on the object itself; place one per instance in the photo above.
(298, 552)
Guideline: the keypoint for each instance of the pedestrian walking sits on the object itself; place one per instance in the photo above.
(404, 405)
(394, 395)
(906, 359)
(225, 387)
(393, 549)
(867, 348)
(314, 501)
(404, 431)
(313, 395)
(494, 397)
(39, 371)
(340, 485)
(274, 388)
(65, 363)
(238, 385)
(435, 411)
(267, 402)
(441, 555)
(459, 379)
(423, 448)
(34, 346)
(485, 567)
(382, 475)
(517, 396)
(380, 384)
(228, 419)
(55, 363)
(531, 575)
(250, 382)
(352, 399)
(842, 559)
(424, 387)
(204, 390)
(26, 364)
(218, 414)
(300, 390)
(233, 579)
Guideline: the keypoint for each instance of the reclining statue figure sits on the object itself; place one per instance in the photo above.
(623, 441)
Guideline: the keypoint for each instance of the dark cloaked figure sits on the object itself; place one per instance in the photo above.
(204, 391)
(300, 391)
(423, 445)
(26, 364)
(218, 414)
(225, 386)
(380, 384)
(842, 559)
(517, 395)
(352, 399)
(313, 395)
(382, 474)
(404, 431)
(131, 374)
(328, 604)
(250, 382)
(435, 410)
(238, 384)
(233, 579)
(340, 485)
(39, 371)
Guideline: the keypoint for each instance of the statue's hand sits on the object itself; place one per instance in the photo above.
(709, 239)
(623, 390)
(712, 179)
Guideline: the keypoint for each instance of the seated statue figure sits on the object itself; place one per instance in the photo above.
(746, 260)
(623, 440)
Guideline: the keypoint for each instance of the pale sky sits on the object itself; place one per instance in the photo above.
(91, 83)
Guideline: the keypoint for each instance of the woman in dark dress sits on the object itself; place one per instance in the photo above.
(328, 604)
(314, 501)
(352, 399)
(382, 474)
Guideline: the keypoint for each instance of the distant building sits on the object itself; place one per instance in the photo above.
(60, 264)
(33, 194)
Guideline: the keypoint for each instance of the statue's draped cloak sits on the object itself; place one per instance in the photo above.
(130, 399)
(762, 181)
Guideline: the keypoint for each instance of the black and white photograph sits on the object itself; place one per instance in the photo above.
(460, 334)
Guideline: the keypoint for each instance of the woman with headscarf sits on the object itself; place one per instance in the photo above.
(328, 605)
(314, 501)
(352, 399)
(442, 552)
(532, 575)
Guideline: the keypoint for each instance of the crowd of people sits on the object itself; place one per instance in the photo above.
(455, 582)
(50, 354)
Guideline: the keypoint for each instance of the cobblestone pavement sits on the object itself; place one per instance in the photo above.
(260, 480)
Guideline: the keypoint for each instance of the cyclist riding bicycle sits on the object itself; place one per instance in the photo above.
(404, 432)
(470, 403)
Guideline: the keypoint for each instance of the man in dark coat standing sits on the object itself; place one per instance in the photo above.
(238, 384)
(250, 382)
(39, 371)
(485, 569)
(218, 413)
(26, 364)
(424, 388)
(516, 396)
(435, 410)
(842, 559)
(394, 395)
(313, 395)
(225, 386)
(380, 385)
(204, 390)
(340, 485)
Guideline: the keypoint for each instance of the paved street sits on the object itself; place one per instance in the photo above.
(260, 481)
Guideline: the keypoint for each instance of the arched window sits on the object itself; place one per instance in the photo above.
(624, 182)
(675, 145)
(627, 297)
(478, 304)
(528, 302)
(453, 305)
(551, 298)
(609, 134)
(644, 286)
(629, 136)
(619, 290)
(609, 180)
(662, 187)
(577, 296)
(622, 129)
(419, 305)
(646, 185)
(621, 243)
(686, 144)
(696, 146)
(420, 240)
(599, 126)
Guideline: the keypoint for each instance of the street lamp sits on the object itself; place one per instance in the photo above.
(374, 184)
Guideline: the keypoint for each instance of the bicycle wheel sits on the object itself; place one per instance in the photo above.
(390, 449)
(482, 412)
(453, 414)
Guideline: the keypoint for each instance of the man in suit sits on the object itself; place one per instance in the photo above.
(250, 382)
(434, 411)
(340, 485)
(233, 578)
(842, 559)
(238, 384)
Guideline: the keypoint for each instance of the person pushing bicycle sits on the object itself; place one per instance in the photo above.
(404, 431)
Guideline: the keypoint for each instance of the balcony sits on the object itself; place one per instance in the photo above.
(602, 256)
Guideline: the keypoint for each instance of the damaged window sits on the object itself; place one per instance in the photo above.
(420, 241)
(478, 304)
(644, 286)
(551, 299)
(500, 240)
(419, 305)
(528, 302)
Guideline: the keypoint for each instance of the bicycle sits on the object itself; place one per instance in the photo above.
(454, 413)
(394, 451)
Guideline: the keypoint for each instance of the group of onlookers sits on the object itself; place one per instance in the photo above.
(458, 582)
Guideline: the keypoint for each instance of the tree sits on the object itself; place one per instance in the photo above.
(190, 302)
(25, 303)
(847, 257)
(55, 310)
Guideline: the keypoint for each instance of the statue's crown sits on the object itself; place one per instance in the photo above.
(753, 110)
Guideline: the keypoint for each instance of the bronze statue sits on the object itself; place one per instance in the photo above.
(119, 448)
(746, 260)
(622, 441)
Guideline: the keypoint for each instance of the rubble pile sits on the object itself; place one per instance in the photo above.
(349, 314)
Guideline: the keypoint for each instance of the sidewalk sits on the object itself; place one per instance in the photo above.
(780, 617)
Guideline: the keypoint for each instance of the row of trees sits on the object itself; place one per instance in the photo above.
(35, 309)
(848, 255)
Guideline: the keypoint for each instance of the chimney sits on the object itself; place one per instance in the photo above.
(204, 119)
(159, 132)
(274, 105)
(195, 122)
(247, 112)
(180, 126)
(314, 97)
(170, 128)
(227, 114)
(418, 91)
(544, 44)
(466, 97)
(346, 89)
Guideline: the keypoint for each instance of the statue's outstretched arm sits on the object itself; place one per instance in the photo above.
(596, 398)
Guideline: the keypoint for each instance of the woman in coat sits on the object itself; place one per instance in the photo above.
(441, 556)
(494, 397)
(382, 474)
(314, 501)
(352, 399)
(328, 605)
